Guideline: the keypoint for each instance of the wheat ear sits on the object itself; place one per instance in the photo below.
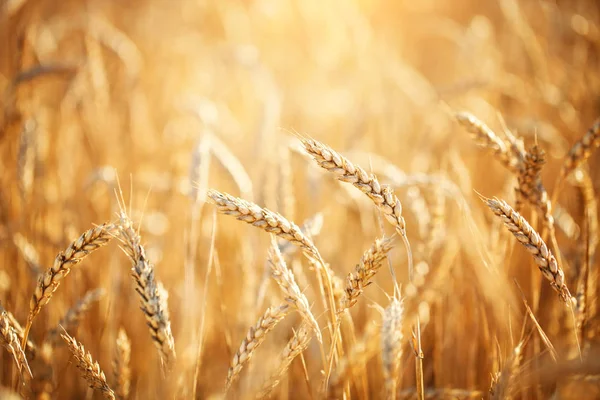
(121, 369)
(391, 345)
(297, 344)
(369, 264)
(264, 219)
(383, 196)
(255, 336)
(71, 319)
(530, 183)
(152, 298)
(532, 241)
(89, 368)
(48, 282)
(485, 137)
(581, 150)
(276, 224)
(10, 341)
(286, 281)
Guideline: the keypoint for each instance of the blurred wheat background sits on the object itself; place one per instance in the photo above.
(128, 112)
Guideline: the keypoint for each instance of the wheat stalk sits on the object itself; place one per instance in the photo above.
(391, 345)
(253, 339)
(121, 369)
(152, 295)
(286, 281)
(90, 370)
(48, 283)
(532, 241)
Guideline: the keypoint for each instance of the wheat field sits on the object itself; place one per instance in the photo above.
(299, 199)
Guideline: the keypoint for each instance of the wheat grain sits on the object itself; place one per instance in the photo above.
(89, 369)
(532, 241)
(253, 339)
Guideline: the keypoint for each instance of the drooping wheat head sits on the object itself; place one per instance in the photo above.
(532, 241)
(48, 282)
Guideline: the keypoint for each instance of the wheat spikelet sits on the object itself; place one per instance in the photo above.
(297, 344)
(71, 319)
(485, 137)
(286, 281)
(254, 338)
(90, 370)
(48, 283)
(532, 241)
(581, 150)
(391, 345)
(121, 370)
(369, 264)
(383, 196)
(152, 296)
(10, 341)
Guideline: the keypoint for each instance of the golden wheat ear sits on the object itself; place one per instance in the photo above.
(90, 369)
(533, 242)
(90, 241)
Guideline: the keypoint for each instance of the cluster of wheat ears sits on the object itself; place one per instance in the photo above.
(417, 181)
(337, 294)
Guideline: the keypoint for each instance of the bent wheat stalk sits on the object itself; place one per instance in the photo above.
(48, 283)
(532, 241)
(90, 369)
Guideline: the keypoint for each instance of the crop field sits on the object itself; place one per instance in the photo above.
(299, 199)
